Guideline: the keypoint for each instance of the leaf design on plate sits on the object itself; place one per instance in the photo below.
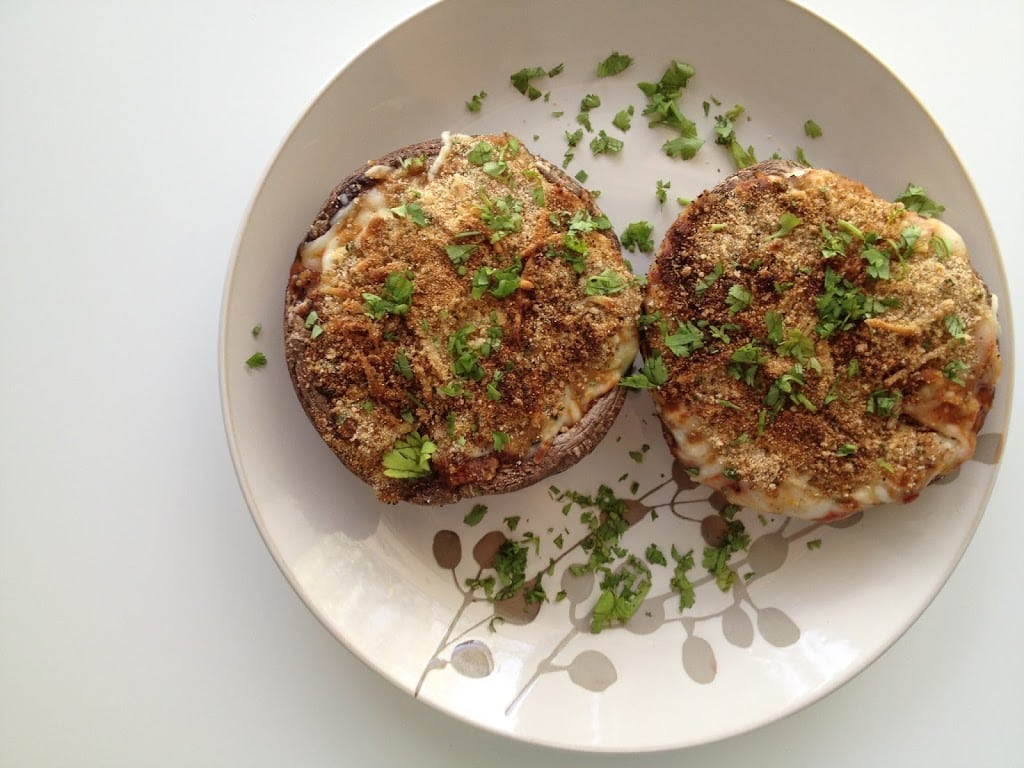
(682, 478)
(592, 670)
(847, 522)
(517, 609)
(737, 627)
(776, 627)
(577, 588)
(699, 660)
(648, 617)
(472, 658)
(447, 549)
(487, 548)
(767, 553)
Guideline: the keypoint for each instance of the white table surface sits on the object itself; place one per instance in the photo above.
(142, 620)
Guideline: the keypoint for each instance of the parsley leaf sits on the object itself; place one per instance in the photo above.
(812, 130)
(502, 217)
(500, 283)
(603, 144)
(884, 403)
(475, 515)
(622, 592)
(725, 134)
(501, 439)
(623, 118)
(459, 255)
(738, 298)
(410, 457)
(787, 223)
(521, 81)
(954, 371)
(604, 284)
(914, 198)
(680, 580)
(709, 279)
(955, 325)
(414, 212)
(652, 375)
(686, 339)
(637, 236)
(661, 190)
(663, 109)
(475, 101)
(256, 360)
(614, 64)
(395, 298)
(403, 366)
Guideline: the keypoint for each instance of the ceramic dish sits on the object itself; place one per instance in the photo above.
(812, 604)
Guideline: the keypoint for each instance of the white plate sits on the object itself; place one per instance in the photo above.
(809, 618)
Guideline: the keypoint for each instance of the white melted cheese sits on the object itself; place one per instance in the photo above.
(442, 156)
(323, 253)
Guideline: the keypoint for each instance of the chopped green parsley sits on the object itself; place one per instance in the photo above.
(410, 457)
(256, 360)
(615, 64)
(637, 237)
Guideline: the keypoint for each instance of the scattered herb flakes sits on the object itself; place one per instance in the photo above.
(654, 556)
(604, 284)
(403, 366)
(623, 119)
(512, 522)
(256, 360)
(651, 376)
(256, 330)
(716, 559)
(410, 458)
(738, 298)
(884, 403)
(812, 130)
(661, 190)
(475, 515)
(615, 64)
(622, 592)
(501, 440)
(413, 212)
(663, 109)
(395, 298)
(814, 544)
(459, 255)
(680, 580)
(582, 176)
(522, 80)
(686, 339)
(312, 323)
(709, 279)
(914, 198)
(572, 140)
(637, 236)
(683, 201)
(475, 102)
(802, 158)
(954, 371)
(846, 449)
(603, 144)
(725, 135)
(787, 223)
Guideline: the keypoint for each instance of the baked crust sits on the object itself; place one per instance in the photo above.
(827, 366)
(508, 355)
